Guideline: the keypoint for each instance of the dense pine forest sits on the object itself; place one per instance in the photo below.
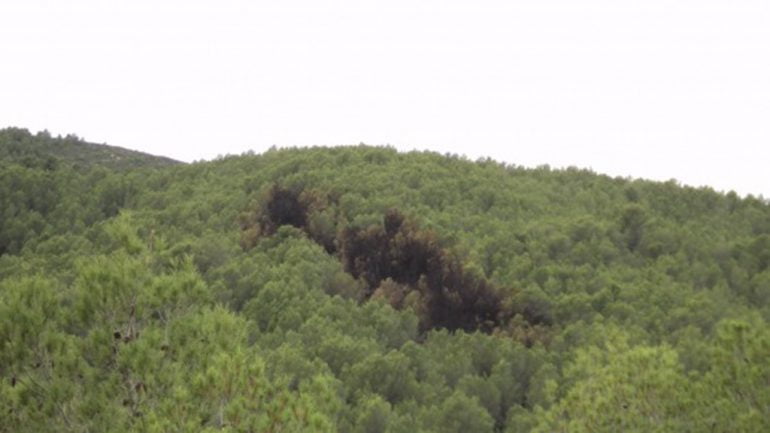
(360, 289)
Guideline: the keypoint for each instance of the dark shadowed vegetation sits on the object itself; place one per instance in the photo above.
(394, 260)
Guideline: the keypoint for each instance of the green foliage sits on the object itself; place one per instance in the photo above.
(283, 292)
(460, 413)
(44, 151)
(640, 388)
(623, 389)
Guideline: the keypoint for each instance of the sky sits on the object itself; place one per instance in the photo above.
(652, 89)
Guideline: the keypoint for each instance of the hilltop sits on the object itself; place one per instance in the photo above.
(359, 289)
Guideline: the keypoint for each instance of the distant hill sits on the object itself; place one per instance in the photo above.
(20, 146)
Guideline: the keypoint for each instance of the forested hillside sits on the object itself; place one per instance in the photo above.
(359, 289)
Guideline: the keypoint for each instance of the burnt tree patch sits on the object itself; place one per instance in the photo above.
(284, 208)
(396, 260)
(294, 207)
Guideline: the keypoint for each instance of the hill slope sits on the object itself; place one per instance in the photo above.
(19, 145)
(361, 289)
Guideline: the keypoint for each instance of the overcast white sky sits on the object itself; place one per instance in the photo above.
(654, 89)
